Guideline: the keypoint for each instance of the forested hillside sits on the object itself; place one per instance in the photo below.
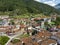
(26, 6)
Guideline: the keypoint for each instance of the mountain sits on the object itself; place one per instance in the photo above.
(57, 6)
(26, 6)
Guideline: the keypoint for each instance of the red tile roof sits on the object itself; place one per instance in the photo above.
(48, 41)
(22, 26)
(58, 34)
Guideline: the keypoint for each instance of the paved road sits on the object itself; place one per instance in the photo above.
(13, 37)
(36, 29)
(18, 35)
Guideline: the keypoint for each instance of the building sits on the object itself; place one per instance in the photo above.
(49, 42)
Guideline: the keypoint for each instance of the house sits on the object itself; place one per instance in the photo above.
(42, 36)
(4, 29)
(24, 41)
(42, 24)
(3, 17)
(37, 26)
(29, 30)
(22, 27)
(28, 41)
(53, 17)
(4, 22)
(49, 42)
(58, 26)
(17, 43)
(1, 22)
(18, 26)
(45, 19)
(29, 27)
(35, 43)
(56, 36)
(49, 20)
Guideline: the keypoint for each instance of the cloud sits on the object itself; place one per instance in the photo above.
(49, 2)
(37, 0)
(44, 0)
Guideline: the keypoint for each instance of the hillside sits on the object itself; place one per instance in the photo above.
(26, 6)
(57, 6)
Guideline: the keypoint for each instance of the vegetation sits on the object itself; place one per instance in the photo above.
(20, 7)
(1, 20)
(12, 22)
(3, 40)
(24, 35)
(58, 21)
(34, 32)
(15, 41)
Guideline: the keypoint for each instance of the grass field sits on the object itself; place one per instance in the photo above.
(3, 40)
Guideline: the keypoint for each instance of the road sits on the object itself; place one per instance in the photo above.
(14, 37)
(36, 29)
(18, 35)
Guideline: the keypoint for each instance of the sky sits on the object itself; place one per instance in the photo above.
(50, 2)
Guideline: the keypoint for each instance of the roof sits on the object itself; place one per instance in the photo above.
(58, 34)
(18, 43)
(35, 43)
(46, 33)
(22, 25)
(37, 18)
(26, 39)
(58, 26)
(43, 35)
(28, 44)
(48, 41)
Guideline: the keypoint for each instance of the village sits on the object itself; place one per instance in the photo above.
(30, 31)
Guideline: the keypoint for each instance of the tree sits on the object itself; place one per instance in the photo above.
(12, 22)
(58, 21)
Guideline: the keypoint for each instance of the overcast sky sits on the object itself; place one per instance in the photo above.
(50, 2)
